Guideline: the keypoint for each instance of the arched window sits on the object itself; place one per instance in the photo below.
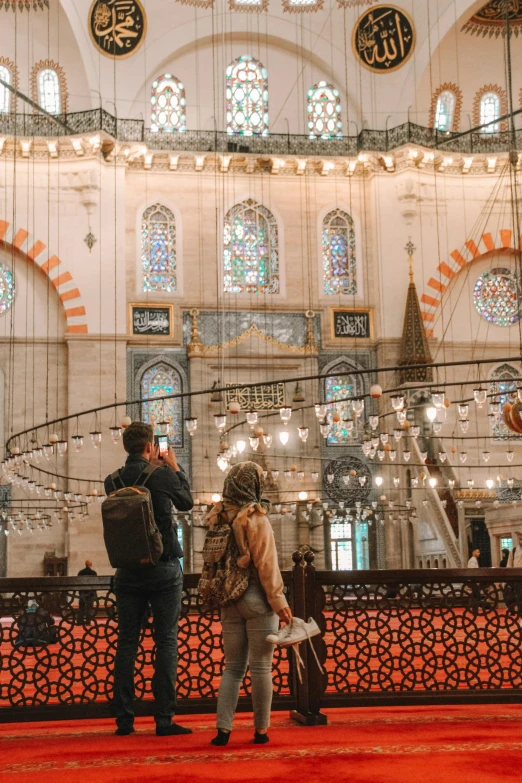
(158, 380)
(49, 91)
(339, 261)
(324, 112)
(251, 250)
(5, 94)
(168, 105)
(445, 111)
(337, 391)
(503, 384)
(489, 111)
(247, 97)
(49, 86)
(158, 249)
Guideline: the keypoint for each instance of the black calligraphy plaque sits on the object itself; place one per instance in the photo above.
(352, 324)
(117, 27)
(383, 38)
(151, 320)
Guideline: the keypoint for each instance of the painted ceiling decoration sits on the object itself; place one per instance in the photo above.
(24, 5)
(490, 20)
(353, 3)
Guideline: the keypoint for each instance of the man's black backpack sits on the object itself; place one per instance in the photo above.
(131, 536)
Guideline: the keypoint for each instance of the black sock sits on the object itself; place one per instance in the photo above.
(221, 738)
(260, 739)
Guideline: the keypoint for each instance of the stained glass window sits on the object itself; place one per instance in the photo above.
(158, 249)
(339, 261)
(156, 381)
(362, 550)
(7, 289)
(247, 97)
(5, 94)
(168, 105)
(49, 91)
(489, 111)
(324, 112)
(341, 544)
(496, 297)
(251, 250)
(445, 111)
(504, 382)
(338, 388)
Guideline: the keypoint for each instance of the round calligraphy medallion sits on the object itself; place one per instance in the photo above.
(351, 492)
(383, 38)
(117, 27)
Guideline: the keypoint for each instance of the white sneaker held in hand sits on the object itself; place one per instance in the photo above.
(295, 632)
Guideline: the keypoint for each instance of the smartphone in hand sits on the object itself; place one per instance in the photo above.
(162, 444)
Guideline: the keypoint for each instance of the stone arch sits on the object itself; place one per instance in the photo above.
(435, 288)
(34, 250)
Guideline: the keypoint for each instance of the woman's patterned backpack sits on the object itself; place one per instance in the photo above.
(222, 581)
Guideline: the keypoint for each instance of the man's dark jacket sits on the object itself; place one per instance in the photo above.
(167, 488)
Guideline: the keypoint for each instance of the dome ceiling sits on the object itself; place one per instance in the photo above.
(490, 20)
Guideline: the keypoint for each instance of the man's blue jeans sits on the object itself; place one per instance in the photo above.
(161, 587)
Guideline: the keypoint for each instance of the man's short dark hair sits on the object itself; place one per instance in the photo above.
(136, 437)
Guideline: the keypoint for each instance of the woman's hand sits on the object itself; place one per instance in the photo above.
(285, 615)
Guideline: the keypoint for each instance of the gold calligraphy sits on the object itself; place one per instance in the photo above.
(383, 38)
(117, 27)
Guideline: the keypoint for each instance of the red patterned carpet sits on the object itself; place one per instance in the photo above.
(476, 744)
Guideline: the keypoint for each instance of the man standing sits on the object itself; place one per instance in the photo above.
(159, 585)
(473, 562)
(513, 592)
(87, 597)
(515, 556)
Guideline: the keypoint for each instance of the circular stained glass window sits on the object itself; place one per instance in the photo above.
(7, 289)
(496, 297)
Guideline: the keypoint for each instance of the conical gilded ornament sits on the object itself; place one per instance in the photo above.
(414, 344)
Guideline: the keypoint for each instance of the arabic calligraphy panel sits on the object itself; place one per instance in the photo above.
(269, 397)
(117, 27)
(150, 321)
(383, 38)
(352, 324)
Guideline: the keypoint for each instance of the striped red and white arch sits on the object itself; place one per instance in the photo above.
(35, 251)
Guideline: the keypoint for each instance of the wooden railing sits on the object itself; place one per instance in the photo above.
(388, 637)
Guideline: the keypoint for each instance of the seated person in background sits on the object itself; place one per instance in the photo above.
(36, 627)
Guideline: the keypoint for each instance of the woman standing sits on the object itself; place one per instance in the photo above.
(247, 622)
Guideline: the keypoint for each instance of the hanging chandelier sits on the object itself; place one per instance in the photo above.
(26, 5)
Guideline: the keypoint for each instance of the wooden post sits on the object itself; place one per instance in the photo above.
(315, 603)
(299, 610)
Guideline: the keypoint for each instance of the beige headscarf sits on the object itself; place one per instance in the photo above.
(242, 497)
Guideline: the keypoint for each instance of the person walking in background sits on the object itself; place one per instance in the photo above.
(247, 622)
(86, 610)
(473, 562)
(159, 585)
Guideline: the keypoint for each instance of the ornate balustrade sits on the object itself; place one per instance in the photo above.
(388, 637)
(134, 131)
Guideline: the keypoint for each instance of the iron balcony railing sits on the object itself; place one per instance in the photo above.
(134, 131)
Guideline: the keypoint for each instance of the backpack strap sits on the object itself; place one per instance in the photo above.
(145, 475)
(115, 477)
